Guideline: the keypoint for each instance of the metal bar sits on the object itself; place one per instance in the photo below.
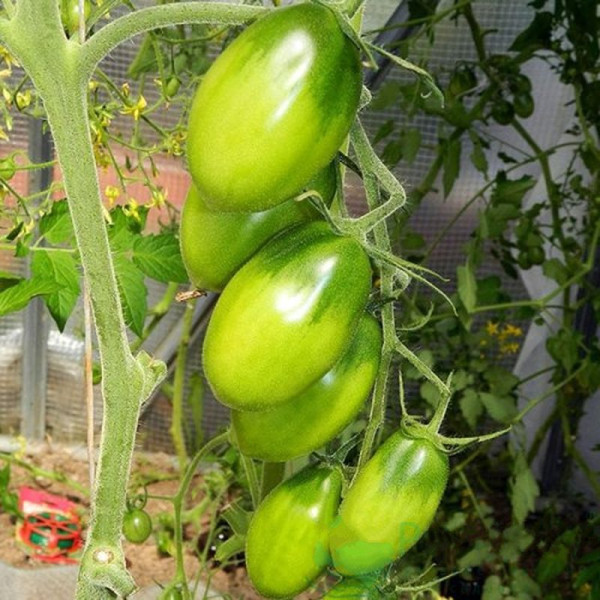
(35, 317)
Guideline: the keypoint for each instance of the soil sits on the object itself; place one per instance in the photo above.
(40, 468)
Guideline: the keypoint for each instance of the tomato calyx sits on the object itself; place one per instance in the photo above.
(414, 428)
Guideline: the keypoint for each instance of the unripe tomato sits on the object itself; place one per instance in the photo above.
(286, 317)
(273, 109)
(214, 245)
(536, 255)
(503, 111)
(523, 104)
(389, 506)
(286, 546)
(354, 588)
(137, 526)
(320, 412)
(8, 168)
(69, 14)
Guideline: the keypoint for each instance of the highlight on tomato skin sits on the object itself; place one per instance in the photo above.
(287, 541)
(319, 413)
(286, 317)
(273, 109)
(403, 484)
(214, 245)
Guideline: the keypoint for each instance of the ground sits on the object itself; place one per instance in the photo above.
(39, 468)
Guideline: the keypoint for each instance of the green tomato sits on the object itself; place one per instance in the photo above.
(536, 255)
(462, 80)
(389, 506)
(137, 526)
(355, 588)
(69, 14)
(523, 104)
(8, 168)
(215, 245)
(503, 111)
(286, 545)
(273, 109)
(286, 317)
(320, 412)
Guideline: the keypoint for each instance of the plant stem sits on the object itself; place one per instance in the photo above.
(176, 428)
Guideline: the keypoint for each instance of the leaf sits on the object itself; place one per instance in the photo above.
(56, 226)
(552, 564)
(467, 286)
(411, 140)
(18, 296)
(61, 268)
(538, 34)
(133, 292)
(430, 393)
(384, 131)
(515, 541)
(501, 381)
(456, 521)
(387, 95)
(511, 191)
(500, 408)
(235, 544)
(451, 162)
(524, 585)
(7, 280)
(471, 407)
(523, 489)
(493, 589)
(159, 257)
(556, 270)
(478, 555)
(478, 156)
(237, 518)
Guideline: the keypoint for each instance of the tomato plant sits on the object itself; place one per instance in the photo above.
(286, 547)
(320, 412)
(390, 504)
(69, 14)
(137, 525)
(214, 245)
(354, 588)
(273, 109)
(280, 323)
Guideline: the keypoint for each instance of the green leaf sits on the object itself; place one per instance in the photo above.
(387, 95)
(7, 280)
(229, 548)
(523, 489)
(493, 589)
(467, 286)
(456, 521)
(556, 270)
(500, 380)
(133, 292)
(411, 139)
(515, 541)
(538, 34)
(523, 585)
(478, 156)
(430, 393)
(61, 268)
(237, 518)
(471, 407)
(384, 131)
(500, 408)
(159, 257)
(451, 162)
(56, 226)
(511, 191)
(478, 555)
(552, 564)
(18, 296)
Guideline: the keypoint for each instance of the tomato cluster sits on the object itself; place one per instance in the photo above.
(290, 346)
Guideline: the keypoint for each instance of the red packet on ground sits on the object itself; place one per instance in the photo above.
(51, 529)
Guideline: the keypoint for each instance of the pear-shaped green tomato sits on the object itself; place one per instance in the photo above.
(389, 506)
(320, 412)
(286, 317)
(287, 541)
(273, 109)
(214, 245)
